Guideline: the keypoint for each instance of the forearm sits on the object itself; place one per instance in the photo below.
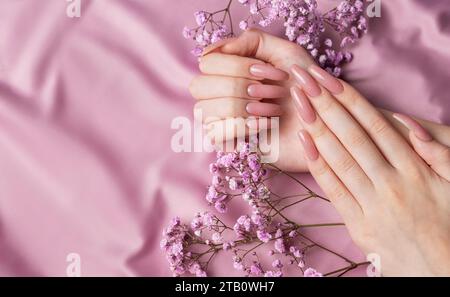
(440, 132)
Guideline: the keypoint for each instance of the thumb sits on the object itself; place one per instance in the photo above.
(435, 154)
(260, 45)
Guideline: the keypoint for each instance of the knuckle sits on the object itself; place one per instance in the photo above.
(236, 68)
(378, 125)
(325, 106)
(322, 169)
(357, 139)
(236, 86)
(391, 191)
(346, 164)
(415, 174)
(337, 192)
(253, 31)
(231, 108)
(320, 131)
(351, 98)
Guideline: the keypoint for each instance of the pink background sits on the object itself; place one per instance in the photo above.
(85, 112)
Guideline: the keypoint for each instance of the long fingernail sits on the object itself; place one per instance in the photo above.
(412, 125)
(306, 81)
(268, 72)
(330, 82)
(266, 91)
(309, 147)
(264, 109)
(303, 105)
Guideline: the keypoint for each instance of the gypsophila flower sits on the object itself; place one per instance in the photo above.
(271, 273)
(217, 237)
(310, 272)
(243, 25)
(279, 244)
(263, 235)
(256, 269)
(200, 17)
(189, 248)
(296, 252)
(221, 207)
(238, 264)
(303, 24)
(293, 233)
(277, 264)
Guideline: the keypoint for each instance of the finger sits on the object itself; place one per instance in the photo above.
(383, 134)
(435, 154)
(333, 152)
(263, 46)
(343, 125)
(236, 66)
(237, 128)
(227, 130)
(216, 46)
(258, 124)
(210, 86)
(264, 109)
(334, 189)
(223, 108)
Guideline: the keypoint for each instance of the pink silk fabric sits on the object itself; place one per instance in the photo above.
(85, 127)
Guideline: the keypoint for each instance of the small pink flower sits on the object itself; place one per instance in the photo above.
(311, 272)
(243, 25)
(200, 17)
(263, 235)
(217, 237)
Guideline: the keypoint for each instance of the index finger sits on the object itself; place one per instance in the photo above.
(382, 133)
(236, 66)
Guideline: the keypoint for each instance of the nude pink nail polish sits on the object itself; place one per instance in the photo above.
(266, 91)
(327, 80)
(414, 126)
(264, 109)
(268, 72)
(309, 147)
(303, 105)
(306, 81)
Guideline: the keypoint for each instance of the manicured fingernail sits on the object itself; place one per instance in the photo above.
(327, 80)
(264, 109)
(268, 72)
(303, 105)
(412, 125)
(266, 91)
(309, 147)
(306, 81)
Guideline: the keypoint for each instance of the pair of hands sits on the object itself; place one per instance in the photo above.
(393, 196)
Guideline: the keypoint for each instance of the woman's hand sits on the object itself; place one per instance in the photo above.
(248, 76)
(394, 203)
(231, 86)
